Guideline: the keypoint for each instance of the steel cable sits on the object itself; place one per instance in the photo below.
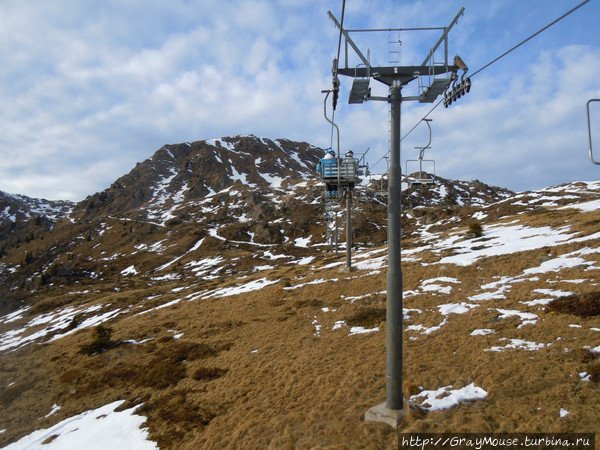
(489, 64)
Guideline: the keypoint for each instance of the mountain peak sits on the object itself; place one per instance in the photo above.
(191, 170)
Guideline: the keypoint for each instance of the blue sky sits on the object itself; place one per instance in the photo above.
(89, 88)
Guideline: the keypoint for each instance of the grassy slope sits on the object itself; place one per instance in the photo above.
(253, 371)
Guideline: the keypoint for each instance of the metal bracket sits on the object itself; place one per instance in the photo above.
(349, 40)
(590, 129)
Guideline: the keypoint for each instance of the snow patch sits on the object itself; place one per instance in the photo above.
(97, 429)
(456, 308)
(362, 330)
(129, 271)
(254, 285)
(482, 332)
(517, 344)
(445, 397)
(527, 318)
(502, 240)
(302, 242)
(54, 410)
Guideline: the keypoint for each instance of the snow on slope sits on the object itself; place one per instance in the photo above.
(505, 239)
(13, 206)
(233, 161)
(57, 324)
(99, 429)
(498, 239)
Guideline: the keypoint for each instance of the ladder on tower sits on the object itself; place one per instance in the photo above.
(394, 57)
(394, 47)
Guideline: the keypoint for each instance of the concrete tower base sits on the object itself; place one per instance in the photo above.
(381, 413)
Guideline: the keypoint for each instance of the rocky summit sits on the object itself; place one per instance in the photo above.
(199, 295)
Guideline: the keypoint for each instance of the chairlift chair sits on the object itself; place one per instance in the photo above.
(343, 174)
(360, 86)
(589, 124)
(423, 178)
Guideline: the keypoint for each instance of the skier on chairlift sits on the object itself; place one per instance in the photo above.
(327, 170)
(349, 168)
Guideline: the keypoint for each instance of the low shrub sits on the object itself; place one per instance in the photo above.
(475, 230)
(594, 370)
(101, 341)
(208, 373)
(367, 317)
(161, 373)
(582, 305)
(13, 392)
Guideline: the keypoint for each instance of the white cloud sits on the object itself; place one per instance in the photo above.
(90, 88)
(530, 133)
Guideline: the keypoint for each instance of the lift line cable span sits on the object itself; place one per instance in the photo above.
(341, 30)
(335, 77)
(489, 64)
(531, 37)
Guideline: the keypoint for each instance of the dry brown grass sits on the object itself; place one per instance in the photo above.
(251, 371)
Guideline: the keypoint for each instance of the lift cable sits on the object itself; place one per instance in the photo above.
(531, 37)
(489, 64)
(335, 81)
(341, 29)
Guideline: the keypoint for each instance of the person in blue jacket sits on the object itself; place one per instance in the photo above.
(327, 170)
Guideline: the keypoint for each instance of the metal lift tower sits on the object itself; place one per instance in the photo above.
(437, 78)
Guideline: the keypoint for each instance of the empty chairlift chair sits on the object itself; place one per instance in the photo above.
(422, 178)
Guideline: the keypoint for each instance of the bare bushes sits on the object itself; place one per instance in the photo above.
(475, 230)
(581, 305)
(367, 317)
(100, 343)
(208, 373)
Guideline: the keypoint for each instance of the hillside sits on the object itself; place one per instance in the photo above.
(233, 327)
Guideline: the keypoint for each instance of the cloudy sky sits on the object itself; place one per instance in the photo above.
(89, 88)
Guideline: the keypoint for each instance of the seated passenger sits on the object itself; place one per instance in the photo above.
(327, 168)
(349, 169)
